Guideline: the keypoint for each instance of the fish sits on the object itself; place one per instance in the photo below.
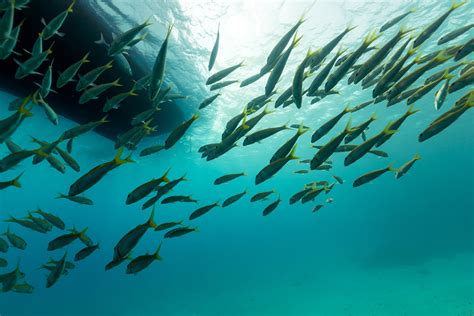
(251, 80)
(116, 100)
(6, 22)
(427, 88)
(277, 70)
(278, 49)
(30, 65)
(126, 40)
(90, 77)
(323, 74)
(430, 29)
(77, 199)
(396, 56)
(10, 279)
(441, 94)
(312, 194)
(365, 178)
(9, 44)
(273, 167)
(299, 195)
(158, 71)
(297, 86)
(3, 245)
(228, 177)
(45, 86)
(357, 130)
(145, 115)
(233, 123)
(361, 106)
(326, 127)
(338, 179)
(15, 240)
(261, 196)
(146, 188)
(13, 159)
(222, 84)
(168, 225)
(85, 252)
(9, 125)
(93, 176)
(378, 56)
(234, 198)
(341, 71)
(395, 20)
(448, 51)
(116, 262)
(94, 92)
(304, 171)
(15, 182)
(271, 207)
(406, 81)
(215, 49)
(23, 288)
(142, 262)
(395, 125)
(178, 198)
(329, 148)
(285, 149)
(208, 101)
(131, 238)
(359, 151)
(283, 97)
(202, 210)
(57, 272)
(445, 120)
(180, 231)
(223, 73)
(454, 34)
(53, 219)
(317, 207)
(66, 239)
(464, 50)
(40, 222)
(131, 138)
(52, 27)
(151, 150)
(179, 132)
(260, 135)
(48, 110)
(12, 146)
(323, 52)
(407, 166)
(70, 72)
(442, 72)
(162, 190)
(465, 80)
(26, 223)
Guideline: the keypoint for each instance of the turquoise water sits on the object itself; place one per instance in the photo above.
(391, 247)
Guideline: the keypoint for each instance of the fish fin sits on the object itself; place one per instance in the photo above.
(101, 41)
(347, 129)
(417, 157)
(390, 168)
(69, 9)
(116, 83)
(109, 65)
(82, 233)
(151, 222)
(16, 181)
(411, 111)
(388, 131)
(292, 153)
(371, 37)
(156, 255)
(43, 21)
(455, 5)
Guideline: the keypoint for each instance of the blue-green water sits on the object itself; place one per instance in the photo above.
(391, 247)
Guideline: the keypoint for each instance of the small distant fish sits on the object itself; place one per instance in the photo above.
(151, 150)
(372, 176)
(179, 132)
(85, 252)
(233, 198)
(15, 240)
(285, 149)
(208, 101)
(464, 50)
(338, 179)
(222, 74)
(167, 225)
(273, 167)
(329, 200)
(407, 166)
(301, 171)
(228, 177)
(271, 207)
(178, 198)
(222, 84)
(202, 210)
(263, 134)
(180, 231)
(326, 127)
(299, 195)
(70, 72)
(94, 92)
(142, 262)
(146, 188)
(441, 94)
(215, 49)
(158, 70)
(317, 207)
(115, 101)
(261, 196)
(57, 272)
(77, 199)
(454, 34)
(53, 219)
(395, 20)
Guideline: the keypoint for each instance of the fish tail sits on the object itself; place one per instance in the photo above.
(132, 91)
(164, 177)
(442, 57)
(195, 116)
(447, 75)
(455, 5)
(341, 50)
(151, 222)
(116, 83)
(371, 37)
(411, 111)
(292, 153)
(16, 181)
(104, 119)
(349, 28)
(373, 117)
(69, 9)
(347, 109)
(82, 233)
(50, 48)
(417, 157)
(84, 59)
(301, 130)
(23, 110)
(412, 10)
(147, 22)
(347, 129)
(388, 131)
(412, 51)
(109, 65)
(156, 255)
(101, 41)
(296, 40)
(60, 196)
